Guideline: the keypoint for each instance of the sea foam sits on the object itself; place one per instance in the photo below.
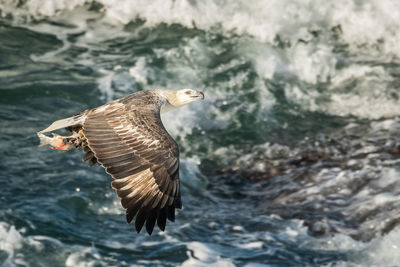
(265, 21)
(302, 43)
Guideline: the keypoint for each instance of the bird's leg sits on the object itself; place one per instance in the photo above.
(77, 139)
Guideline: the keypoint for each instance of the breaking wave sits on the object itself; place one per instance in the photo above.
(290, 20)
(318, 49)
(301, 97)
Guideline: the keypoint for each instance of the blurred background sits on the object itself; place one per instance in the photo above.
(292, 160)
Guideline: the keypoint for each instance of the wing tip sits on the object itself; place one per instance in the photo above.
(149, 231)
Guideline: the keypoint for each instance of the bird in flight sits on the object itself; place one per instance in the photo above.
(128, 139)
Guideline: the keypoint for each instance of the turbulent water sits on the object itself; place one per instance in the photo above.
(292, 160)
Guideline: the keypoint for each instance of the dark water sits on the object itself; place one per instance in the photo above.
(292, 160)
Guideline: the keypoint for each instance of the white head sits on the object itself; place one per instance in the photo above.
(176, 99)
(186, 96)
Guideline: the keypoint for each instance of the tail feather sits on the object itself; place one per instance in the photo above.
(44, 140)
(63, 123)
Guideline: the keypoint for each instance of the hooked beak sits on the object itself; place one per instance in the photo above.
(201, 95)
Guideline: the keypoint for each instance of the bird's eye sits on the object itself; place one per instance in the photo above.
(187, 92)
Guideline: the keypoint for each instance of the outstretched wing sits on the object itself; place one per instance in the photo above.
(128, 139)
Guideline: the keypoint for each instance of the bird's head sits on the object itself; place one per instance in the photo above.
(186, 96)
(181, 97)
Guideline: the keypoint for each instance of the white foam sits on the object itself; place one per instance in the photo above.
(85, 257)
(18, 248)
(113, 208)
(305, 59)
(384, 250)
(140, 71)
(201, 254)
(105, 84)
(381, 251)
(252, 245)
(358, 90)
(288, 19)
(313, 63)
(180, 122)
(11, 240)
(254, 264)
(38, 241)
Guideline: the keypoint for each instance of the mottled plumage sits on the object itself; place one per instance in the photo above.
(128, 139)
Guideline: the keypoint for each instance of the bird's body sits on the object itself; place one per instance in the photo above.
(128, 139)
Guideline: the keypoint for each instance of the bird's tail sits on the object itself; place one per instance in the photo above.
(63, 123)
(57, 141)
(44, 140)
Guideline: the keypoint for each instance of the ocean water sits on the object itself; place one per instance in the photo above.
(292, 159)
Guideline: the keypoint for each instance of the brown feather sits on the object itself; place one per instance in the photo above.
(151, 220)
(162, 218)
(88, 155)
(140, 219)
(136, 150)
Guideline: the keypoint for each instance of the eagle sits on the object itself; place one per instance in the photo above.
(127, 138)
